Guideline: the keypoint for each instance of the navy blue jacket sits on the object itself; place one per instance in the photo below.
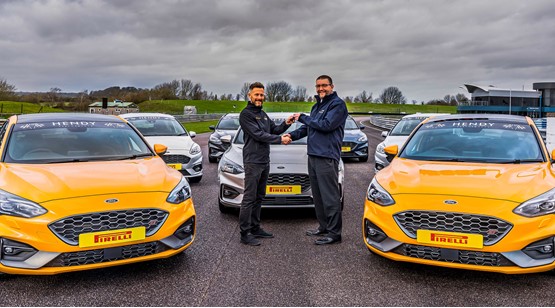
(259, 131)
(324, 127)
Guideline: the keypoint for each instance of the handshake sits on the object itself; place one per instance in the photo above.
(286, 138)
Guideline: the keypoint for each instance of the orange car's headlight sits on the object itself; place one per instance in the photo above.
(377, 194)
(180, 193)
(13, 205)
(541, 205)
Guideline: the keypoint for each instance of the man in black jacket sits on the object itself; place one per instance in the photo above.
(259, 132)
(325, 128)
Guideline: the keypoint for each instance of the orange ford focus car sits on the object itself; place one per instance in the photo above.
(84, 191)
(466, 191)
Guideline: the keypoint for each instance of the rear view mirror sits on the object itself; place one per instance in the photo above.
(384, 133)
(226, 139)
(362, 127)
(212, 127)
(192, 134)
(160, 149)
(391, 151)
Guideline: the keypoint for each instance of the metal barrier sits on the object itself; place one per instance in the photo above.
(386, 122)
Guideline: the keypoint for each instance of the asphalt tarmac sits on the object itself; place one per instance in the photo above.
(288, 270)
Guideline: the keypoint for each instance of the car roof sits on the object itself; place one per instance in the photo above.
(477, 117)
(146, 114)
(421, 115)
(55, 116)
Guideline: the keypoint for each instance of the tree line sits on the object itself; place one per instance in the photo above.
(186, 89)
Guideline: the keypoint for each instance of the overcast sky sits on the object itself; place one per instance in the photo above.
(426, 48)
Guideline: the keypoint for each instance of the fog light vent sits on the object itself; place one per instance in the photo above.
(541, 249)
(16, 251)
(373, 233)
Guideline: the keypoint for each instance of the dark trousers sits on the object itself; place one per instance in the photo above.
(256, 176)
(324, 180)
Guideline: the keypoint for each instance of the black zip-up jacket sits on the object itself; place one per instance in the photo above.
(325, 127)
(259, 131)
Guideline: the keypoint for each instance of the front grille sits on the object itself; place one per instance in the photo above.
(462, 256)
(285, 201)
(176, 159)
(290, 179)
(352, 145)
(106, 255)
(491, 228)
(69, 228)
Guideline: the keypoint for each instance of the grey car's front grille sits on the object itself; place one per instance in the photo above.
(106, 255)
(457, 256)
(287, 201)
(69, 228)
(491, 228)
(176, 159)
(290, 179)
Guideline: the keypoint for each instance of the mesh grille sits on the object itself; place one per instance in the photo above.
(290, 179)
(176, 159)
(100, 255)
(464, 256)
(69, 228)
(298, 200)
(491, 228)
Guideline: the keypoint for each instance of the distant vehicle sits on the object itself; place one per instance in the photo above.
(227, 126)
(86, 191)
(288, 183)
(466, 191)
(355, 142)
(398, 135)
(183, 153)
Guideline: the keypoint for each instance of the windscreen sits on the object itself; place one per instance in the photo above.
(350, 124)
(57, 142)
(239, 137)
(405, 126)
(228, 123)
(158, 126)
(488, 141)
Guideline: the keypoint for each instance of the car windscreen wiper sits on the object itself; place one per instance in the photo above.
(71, 160)
(134, 156)
(520, 161)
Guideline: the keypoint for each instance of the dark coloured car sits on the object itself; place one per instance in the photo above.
(227, 126)
(355, 142)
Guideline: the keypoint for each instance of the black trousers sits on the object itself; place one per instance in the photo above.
(324, 180)
(256, 177)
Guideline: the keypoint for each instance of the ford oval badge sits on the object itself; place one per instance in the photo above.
(111, 200)
(450, 202)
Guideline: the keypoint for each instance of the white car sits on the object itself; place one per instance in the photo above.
(183, 153)
(288, 183)
(398, 135)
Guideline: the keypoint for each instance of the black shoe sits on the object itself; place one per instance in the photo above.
(250, 240)
(316, 232)
(261, 233)
(327, 240)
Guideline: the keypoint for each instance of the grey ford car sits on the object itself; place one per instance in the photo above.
(226, 126)
(288, 183)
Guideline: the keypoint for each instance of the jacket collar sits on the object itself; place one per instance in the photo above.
(326, 98)
(253, 107)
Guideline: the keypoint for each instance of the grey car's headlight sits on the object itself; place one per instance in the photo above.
(180, 193)
(13, 205)
(380, 148)
(362, 138)
(215, 139)
(541, 205)
(378, 195)
(195, 149)
(229, 166)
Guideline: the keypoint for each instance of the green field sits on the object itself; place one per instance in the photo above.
(8, 108)
(203, 107)
(199, 127)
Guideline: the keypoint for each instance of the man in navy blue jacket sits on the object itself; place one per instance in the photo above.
(325, 128)
(259, 132)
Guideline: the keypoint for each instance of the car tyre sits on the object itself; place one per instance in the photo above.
(223, 209)
(363, 159)
(212, 159)
(196, 179)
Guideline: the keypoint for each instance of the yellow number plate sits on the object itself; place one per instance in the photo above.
(345, 149)
(451, 239)
(175, 166)
(111, 237)
(283, 189)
